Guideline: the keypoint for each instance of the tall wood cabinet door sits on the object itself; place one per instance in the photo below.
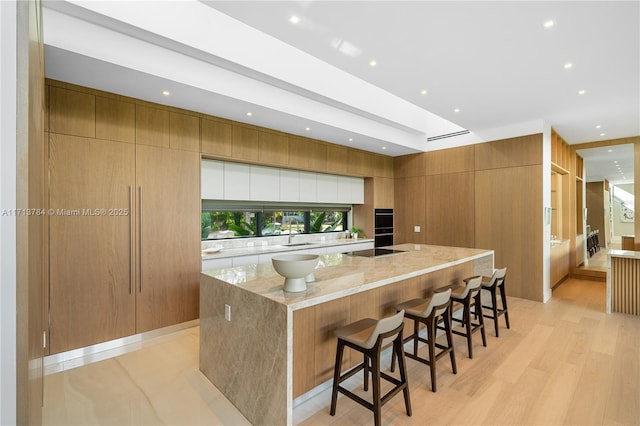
(168, 246)
(91, 237)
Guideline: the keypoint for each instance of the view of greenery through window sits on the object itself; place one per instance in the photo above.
(233, 224)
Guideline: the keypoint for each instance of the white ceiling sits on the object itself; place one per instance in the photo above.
(494, 61)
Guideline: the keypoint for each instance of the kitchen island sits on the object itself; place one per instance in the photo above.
(262, 347)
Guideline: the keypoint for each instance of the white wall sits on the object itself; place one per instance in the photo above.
(8, 64)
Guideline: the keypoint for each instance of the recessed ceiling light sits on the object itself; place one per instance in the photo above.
(598, 126)
(373, 63)
(166, 92)
(610, 150)
(549, 24)
(350, 139)
(384, 147)
(307, 128)
(615, 161)
(423, 92)
(582, 92)
(294, 19)
(568, 65)
(456, 110)
(249, 114)
(602, 134)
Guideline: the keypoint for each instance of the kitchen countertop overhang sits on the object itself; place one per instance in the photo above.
(339, 275)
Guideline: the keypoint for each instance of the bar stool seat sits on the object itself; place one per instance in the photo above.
(430, 312)
(368, 336)
(467, 296)
(492, 285)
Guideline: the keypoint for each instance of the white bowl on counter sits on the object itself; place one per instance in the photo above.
(297, 269)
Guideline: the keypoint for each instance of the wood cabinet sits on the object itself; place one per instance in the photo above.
(91, 266)
(121, 260)
(168, 246)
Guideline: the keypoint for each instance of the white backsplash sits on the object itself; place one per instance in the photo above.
(234, 243)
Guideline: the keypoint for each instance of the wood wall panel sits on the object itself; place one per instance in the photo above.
(72, 112)
(513, 152)
(363, 214)
(595, 207)
(409, 166)
(383, 193)
(317, 153)
(115, 120)
(304, 321)
(152, 126)
(298, 154)
(450, 209)
(30, 179)
(169, 261)
(217, 138)
(329, 317)
(337, 159)
(184, 132)
(245, 143)
(274, 148)
(90, 265)
(509, 220)
(451, 160)
(360, 163)
(410, 202)
(625, 285)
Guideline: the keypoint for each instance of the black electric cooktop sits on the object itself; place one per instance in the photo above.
(374, 252)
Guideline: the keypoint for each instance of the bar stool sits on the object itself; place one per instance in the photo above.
(492, 285)
(368, 336)
(430, 312)
(467, 296)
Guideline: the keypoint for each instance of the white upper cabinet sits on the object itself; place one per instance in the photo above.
(350, 190)
(212, 180)
(237, 180)
(308, 187)
(265, 184)
(327, 188)
(289, 185)
(221, 180)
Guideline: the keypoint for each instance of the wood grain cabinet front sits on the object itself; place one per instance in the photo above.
(92, 298)
(124, 246)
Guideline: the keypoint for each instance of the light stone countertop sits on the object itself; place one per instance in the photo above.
(276, 248)
(629, 254)
(339, 275)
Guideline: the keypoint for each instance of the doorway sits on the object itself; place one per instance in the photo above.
(608, 199)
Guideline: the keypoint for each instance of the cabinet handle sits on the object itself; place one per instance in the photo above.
(140, 236)
(131, 241)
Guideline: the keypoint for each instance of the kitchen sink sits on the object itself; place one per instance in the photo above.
(296, 244)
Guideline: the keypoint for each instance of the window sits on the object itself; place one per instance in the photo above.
(222, 221)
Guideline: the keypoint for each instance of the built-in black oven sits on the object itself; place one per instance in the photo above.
(383, 227)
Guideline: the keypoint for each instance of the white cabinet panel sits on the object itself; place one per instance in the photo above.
(350, 190)
(213, 264)
(357, 190)
(327, 188)
(246, 260)
(236, 181)
(212, 180)
(308, 187)
(289, 185)
(264, 183)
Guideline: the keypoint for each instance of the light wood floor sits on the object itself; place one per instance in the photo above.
(563, 362)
